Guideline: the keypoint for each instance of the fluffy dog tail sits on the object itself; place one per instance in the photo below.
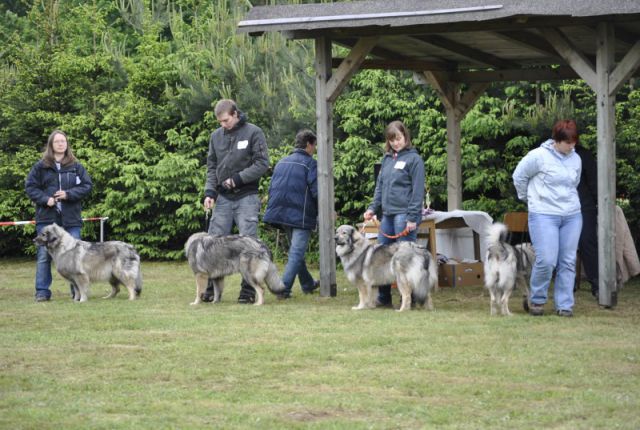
(138, 288)
(428, 280)
(273, 280)
(497, 233)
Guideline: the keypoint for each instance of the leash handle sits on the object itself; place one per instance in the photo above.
(372, 222)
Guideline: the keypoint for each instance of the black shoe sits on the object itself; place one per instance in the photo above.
(207, 296)
(564, 313)
(283, 296)
(42, 299)
(383, 304)
(536, 310)
(246, 298)
(316, 285)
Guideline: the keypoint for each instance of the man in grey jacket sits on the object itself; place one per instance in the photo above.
(236, 161)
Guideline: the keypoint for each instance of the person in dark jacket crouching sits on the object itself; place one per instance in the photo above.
(56, 184)
(293, 206)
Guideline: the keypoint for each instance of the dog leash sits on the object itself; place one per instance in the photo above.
(376, 223)
(207, 219)
(403, 233)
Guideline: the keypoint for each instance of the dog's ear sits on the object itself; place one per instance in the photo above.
(352, 232)
(51, 237)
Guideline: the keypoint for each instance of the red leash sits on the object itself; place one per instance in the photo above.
(403, 233)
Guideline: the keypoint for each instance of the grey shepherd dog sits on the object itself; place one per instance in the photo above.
(505, 268)
(81, 262)
(218, 256)
(369, 265)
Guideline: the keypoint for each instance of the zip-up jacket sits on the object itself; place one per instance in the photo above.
(548, 180)
(42, 183)
(400, 185)
(239, 154)
(293, 193)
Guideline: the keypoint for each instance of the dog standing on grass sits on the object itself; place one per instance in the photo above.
(81, 262)
(368, 265)
(506, 267)
(218, 256)
(525, 258)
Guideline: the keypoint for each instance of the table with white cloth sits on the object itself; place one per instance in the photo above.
(459, 234)
(456, 234)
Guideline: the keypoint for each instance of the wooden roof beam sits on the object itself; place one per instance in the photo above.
(402, 64)
(377, 51)
(625, 69)
(576, 59)
(529, 41)
(349, 66)
(623, 36)
(466, 51)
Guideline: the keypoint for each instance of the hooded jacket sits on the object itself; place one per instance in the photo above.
(42, 183)
(240, 154)
(293, 193)
(548, 180)
(400, 185)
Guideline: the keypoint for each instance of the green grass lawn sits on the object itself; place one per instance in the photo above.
(308, 362)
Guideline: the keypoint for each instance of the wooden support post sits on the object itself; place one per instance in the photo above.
(456, 106)
(606, 166)
(454, 151)
(326, 197)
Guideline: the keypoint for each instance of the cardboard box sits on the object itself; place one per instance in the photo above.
(460, 274)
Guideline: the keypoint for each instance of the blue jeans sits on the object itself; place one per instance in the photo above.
(296, 266)
(392, 225)
(555, 239)
(43, 263)
(243, 213)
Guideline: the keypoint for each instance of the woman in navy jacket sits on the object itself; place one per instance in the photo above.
(56, 185)
(399, 194)
(293, 206)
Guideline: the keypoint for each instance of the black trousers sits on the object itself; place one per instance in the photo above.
(588, 246)
(246, 290)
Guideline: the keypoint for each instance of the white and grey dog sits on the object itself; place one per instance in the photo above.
(81, 262)
(506, 267)
(369, 265)
(218, 256)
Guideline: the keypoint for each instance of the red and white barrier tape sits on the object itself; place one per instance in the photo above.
(3, 223)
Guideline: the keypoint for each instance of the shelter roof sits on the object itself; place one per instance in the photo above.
(456, 35)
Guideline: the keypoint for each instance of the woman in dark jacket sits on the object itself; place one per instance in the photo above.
(56, 185)
(293, 206)
(398, 195)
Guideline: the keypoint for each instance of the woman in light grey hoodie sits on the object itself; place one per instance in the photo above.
(547, 179)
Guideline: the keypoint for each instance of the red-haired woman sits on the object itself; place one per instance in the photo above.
(547, 179)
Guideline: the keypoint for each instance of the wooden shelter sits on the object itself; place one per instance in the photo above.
(459, 47)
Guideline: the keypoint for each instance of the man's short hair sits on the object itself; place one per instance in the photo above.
(304, 137)
(225, 106)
